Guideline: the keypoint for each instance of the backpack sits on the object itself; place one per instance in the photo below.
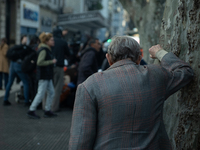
(18, 52)
(30, 62)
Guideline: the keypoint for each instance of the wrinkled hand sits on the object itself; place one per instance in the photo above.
(153, 50)
(54, 60)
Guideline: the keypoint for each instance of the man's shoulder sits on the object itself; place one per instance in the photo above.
(42, 49)
(97, 78)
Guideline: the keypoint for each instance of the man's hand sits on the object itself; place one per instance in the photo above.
(153, 50)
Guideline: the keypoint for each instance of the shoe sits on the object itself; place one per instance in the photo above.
(49, 114)
(6, 103)
(32, 115)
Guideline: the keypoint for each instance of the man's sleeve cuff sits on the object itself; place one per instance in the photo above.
(160, 54)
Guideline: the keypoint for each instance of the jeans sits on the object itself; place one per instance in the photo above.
(43, 86)
(4, 76)
(15, 69)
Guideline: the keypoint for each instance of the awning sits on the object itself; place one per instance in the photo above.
(85, 21)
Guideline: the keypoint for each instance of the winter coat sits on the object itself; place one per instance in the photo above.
(4, 62)
(60, 49)
(122, 108)
(88, 64)
(44, 63)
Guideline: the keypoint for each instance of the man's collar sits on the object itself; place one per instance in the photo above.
(121, 63)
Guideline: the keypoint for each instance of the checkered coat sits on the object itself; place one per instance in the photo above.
(122, 107)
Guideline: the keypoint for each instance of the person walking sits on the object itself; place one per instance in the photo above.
(18, 53)
(4, 63)
(122, 107)
(60, 50)
(45, 64)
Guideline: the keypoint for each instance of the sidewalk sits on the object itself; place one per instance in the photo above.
(15, 87)
(18, 132)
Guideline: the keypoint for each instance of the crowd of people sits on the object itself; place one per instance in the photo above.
(40, 67)
(118, 99)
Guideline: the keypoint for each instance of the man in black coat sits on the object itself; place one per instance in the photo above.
(88, 64)
(60, 51)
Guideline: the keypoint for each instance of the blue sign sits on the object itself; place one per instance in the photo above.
(30, 14)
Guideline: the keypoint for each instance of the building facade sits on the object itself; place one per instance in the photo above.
(9, 25)
(117, 18)
(30, 17)
(2, 19)
(27, 17)
(79, 18)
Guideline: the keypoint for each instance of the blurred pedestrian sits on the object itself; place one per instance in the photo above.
(64, 32)
(60, 51)
(34, 42)
(142, 62)
(122, 107)
(88, 64)
(32, 62)
(4, 63)
(105, 65)
(45, 63)
(16, 54)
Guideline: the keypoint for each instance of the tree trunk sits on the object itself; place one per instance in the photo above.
(147, 17)
(177, 29)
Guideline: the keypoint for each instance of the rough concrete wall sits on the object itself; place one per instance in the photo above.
(178, 32)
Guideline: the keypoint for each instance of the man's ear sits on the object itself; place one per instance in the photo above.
(139, 60)
(109, 59)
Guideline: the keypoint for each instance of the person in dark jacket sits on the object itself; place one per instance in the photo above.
(60, 50)
(45, 63)
(16, 70)
(88, 64)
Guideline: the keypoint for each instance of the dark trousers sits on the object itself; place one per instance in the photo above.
(15, 69)
(3, 76)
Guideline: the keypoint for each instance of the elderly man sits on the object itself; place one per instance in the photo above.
(122, 107)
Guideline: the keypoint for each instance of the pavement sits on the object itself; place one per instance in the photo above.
(18, 132)
(14, 88)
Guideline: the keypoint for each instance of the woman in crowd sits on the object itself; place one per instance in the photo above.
(45, 64)
(4, 63)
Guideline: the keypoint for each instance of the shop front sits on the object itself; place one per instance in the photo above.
(86, 23)
(29, 23)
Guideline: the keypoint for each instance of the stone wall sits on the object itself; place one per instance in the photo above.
(175, 24)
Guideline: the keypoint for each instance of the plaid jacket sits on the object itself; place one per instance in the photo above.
(122, 107)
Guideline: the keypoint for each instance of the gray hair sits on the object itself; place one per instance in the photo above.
(123, 47)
